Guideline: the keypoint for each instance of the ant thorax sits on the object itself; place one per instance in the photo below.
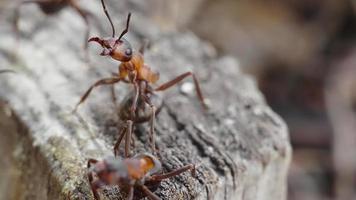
(134, 64)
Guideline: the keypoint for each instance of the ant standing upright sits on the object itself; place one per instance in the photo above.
(133, 71)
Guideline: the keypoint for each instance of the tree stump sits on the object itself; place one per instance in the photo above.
(242, 147)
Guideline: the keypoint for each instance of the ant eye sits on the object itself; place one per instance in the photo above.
(128, 52)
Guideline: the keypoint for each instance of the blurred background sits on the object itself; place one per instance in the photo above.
(303, 55)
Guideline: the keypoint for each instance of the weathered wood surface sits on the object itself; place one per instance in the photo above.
(241, 145)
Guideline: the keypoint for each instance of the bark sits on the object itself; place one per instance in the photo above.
(242, 147)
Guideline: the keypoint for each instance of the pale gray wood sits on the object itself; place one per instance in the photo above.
(242, 147)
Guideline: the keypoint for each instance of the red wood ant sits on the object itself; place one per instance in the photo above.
(134, 71)
(130, 174)
(51, 7)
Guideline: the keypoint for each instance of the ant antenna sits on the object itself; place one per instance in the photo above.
(108, 16)
(127, 27)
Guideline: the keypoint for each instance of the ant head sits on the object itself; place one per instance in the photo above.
(119, 49)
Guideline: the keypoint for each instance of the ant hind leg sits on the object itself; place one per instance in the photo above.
(180, 78)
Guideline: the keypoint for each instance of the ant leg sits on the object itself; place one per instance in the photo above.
(128, 138)
(131, 193)
(105, 81)
(118, 142)
(152, 123)
(180, 78)
(148, 193)
(176, 172)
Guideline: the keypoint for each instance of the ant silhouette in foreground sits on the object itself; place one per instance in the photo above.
(140, 172)
(51, 7)
(134, 71)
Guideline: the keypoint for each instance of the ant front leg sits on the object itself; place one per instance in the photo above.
(180, 78)
(176, 172)
(105, 81)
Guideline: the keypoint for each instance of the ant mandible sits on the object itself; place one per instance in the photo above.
(51, 7)
(134, 71)
(140, 172)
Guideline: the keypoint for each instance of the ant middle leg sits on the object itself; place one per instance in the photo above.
(105, 81)
(179, 78)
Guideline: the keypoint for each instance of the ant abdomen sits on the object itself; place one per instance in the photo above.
(143, 111)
